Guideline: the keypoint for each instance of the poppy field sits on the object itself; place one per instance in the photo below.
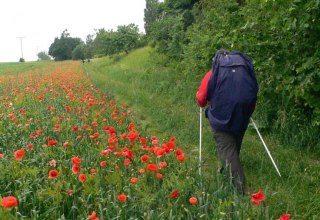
(68, 151)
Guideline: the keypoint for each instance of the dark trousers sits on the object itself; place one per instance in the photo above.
(228, 148)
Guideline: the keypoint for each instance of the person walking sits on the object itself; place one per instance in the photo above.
(229, 90)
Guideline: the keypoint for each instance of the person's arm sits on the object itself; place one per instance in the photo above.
(201, 95)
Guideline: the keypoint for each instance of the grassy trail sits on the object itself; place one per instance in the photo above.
(163, 102)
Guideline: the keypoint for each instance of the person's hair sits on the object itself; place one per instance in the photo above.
(225, 52)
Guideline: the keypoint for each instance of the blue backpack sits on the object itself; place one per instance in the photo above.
(232, 92)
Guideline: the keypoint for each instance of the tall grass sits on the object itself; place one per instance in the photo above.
(162, 98)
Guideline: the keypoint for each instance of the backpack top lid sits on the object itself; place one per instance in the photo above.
(232, 91)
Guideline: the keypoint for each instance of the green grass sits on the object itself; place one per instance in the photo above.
(17, 67)
(163, 101)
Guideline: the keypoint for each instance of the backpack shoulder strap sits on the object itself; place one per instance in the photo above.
(215, 69)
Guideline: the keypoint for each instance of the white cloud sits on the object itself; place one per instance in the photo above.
(40, 21)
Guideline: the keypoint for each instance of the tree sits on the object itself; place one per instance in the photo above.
(61, 48)
(152, 13)
(127, 37)
(78, 53)
(43, 56)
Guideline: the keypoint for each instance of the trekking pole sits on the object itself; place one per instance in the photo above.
(265, 146)
(200, 141)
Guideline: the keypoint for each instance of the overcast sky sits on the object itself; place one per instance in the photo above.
(40, 21)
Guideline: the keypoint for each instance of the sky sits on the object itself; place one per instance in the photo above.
(36, 23)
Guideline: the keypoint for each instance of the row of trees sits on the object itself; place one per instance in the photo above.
(282, 37)
(102, 43)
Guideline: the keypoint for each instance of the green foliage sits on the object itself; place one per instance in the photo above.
(280, 36)
(43, 56)
(61, 48)
(78, 52)
(126, 38)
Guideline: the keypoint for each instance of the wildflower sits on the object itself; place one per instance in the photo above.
(163, 164)
(19, 154)
(256, 198)
(179, 152)
(193, 200)
(82, 177)
(134, 180)
(30, 146)
(141, 171)
(145, 158)
(9, 202)
(159, 176)
(127, 162)
(181, 157)
(143, 140)
(93, 216)
(52, 142)
(174, 194)
(122, 197)
(75, 160)
(66, 144)
(53, 174)
(160, 152)
(70, 192)
(1, 156)
(152, 167)
(75, 169)
(52, 163)
(285, 217)
(103, 163)
(93, 172)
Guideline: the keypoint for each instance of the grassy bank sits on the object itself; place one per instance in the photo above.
(163, 102)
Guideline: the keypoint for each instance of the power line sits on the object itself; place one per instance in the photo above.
(21, 46)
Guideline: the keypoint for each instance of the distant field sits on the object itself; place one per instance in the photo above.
(16, 68)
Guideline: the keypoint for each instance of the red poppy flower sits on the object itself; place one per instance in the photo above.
(143, 140)
(193, 200)
(82, 177)
(53, 174)
(141, 171)
(134, 180)
(285, 217)
(163, 164)
(75, 160)
(159, 152)
(174, 194)
(66, 144)
(52, 142)
(145, 158)
(103, 163)
(1, 156)
(19, 154)
(256, 198)
(93, 216)
(127, 162)
(179, 152)
(122, 197)
(181, 157)
(9, 202)
(152, 167)
(30, 146)
(159, 176)
(75, 169)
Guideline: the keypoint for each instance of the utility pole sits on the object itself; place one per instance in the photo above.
(21, 45)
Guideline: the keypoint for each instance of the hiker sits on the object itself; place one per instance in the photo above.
(230, 91)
